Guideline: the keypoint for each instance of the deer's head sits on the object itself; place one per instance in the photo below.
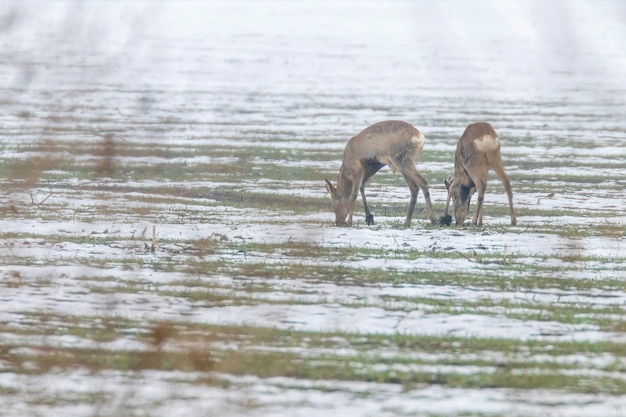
(461, 196)
(341, 204)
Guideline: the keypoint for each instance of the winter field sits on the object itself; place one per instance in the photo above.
(167, 245)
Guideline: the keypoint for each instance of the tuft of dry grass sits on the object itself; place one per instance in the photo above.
(106, 153)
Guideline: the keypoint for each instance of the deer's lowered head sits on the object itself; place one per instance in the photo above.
(342, 203)
(461, 196)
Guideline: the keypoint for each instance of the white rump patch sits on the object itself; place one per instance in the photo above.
(487, 143)
(419, 138)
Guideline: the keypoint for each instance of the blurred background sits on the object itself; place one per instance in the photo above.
(312, 68)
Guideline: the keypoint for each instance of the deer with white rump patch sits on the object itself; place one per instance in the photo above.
(393, 143)
(477, 151)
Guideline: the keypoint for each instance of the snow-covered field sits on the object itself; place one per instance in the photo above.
(166, 240)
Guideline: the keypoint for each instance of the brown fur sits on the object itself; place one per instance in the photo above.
(478, 150)
(393, 143)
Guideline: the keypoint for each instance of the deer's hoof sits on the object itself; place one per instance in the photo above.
(369, 219)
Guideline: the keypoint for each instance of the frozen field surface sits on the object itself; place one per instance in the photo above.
(167, 245)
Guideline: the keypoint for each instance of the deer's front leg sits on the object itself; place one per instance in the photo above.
(351, 209)
(477, 219)
(369, 218)
(357, 184)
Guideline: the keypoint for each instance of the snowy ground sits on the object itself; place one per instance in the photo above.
(163, 202)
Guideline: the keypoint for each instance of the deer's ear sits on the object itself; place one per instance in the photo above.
(448, 182)
(331, 189)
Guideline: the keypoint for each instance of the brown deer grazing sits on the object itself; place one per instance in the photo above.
(477, 151)
(393, 143)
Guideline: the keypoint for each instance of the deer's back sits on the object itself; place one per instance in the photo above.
(384, 138)
(479, 137)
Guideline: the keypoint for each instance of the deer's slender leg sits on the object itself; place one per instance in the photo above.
(448, 183)
(414, 191)
(369, 219)
(477, 219)
(509, 193)
(496, 164)
(370, 170)
(409, 170)
(478, 172)
(423, 184)
(357, 184)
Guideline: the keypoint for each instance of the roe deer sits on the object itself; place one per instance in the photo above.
(393, 143)
(477, 151)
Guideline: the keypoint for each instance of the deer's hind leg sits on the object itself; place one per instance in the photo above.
(498, 166)
(478, 172)
(416, 181)
(414, 192)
